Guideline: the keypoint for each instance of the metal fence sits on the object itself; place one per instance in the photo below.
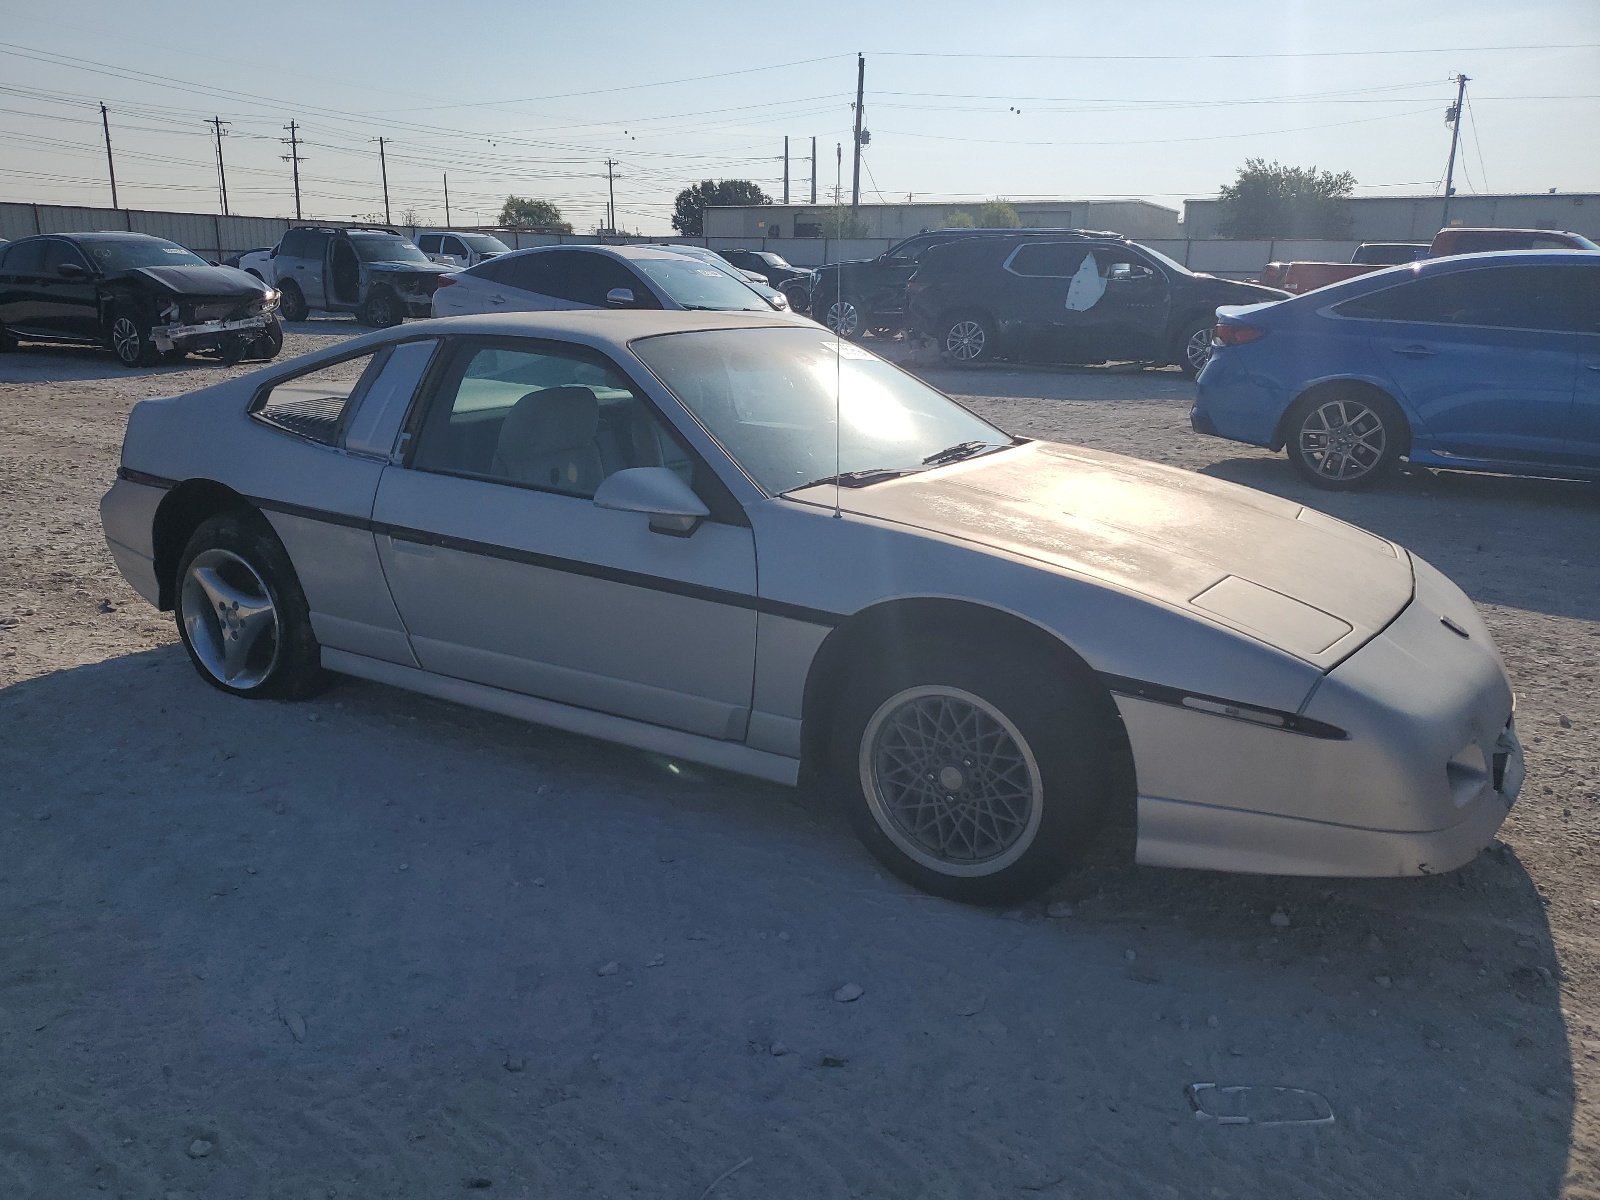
(217, 237)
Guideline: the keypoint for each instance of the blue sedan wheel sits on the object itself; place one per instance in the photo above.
(1343, 440)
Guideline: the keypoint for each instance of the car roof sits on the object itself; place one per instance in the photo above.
(1374, 281)
(602, 325)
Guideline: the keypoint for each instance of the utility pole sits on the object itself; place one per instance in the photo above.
(1454, 115)
(447, 199)
(813, 170)
(222, 175)
(293, 142)
(855, 174)
(383, 166)
(786, 170)
(838, 173)
(111, 167)
(611, 198)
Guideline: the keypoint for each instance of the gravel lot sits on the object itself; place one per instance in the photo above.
(379, 946)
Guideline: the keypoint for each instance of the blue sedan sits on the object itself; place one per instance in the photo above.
(1483, 362)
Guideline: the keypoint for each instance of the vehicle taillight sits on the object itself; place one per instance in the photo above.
(1237, 335)
(446, 281)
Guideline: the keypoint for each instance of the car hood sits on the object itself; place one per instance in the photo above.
(202, 281)
(1286, 575)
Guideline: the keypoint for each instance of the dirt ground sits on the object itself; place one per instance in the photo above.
(364, 946)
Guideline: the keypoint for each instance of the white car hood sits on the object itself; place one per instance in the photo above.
(1294, 578)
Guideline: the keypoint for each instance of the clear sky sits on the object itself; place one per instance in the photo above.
(1153, 99)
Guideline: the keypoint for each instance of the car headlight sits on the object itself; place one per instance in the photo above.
(269, 302)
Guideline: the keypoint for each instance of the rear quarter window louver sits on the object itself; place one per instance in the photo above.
(314, 405)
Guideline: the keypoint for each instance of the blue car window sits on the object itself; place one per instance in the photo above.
(1528, 297)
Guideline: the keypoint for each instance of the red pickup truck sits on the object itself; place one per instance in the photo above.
(1300, 277)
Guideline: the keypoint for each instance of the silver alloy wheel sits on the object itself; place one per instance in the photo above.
(951, 781)
(229, 618)
(1342, 439)
(844, 318)
(126, 340)
(965, 340)
(1197, 350)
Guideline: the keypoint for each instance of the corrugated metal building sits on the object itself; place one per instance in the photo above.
(1133, 218)
(1418, 218)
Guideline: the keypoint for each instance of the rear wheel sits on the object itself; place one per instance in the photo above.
(1193, 350)
(843, 317)
(291, 302)
(974, 776)
(1343, 439)
(968, 338)
(241, 613)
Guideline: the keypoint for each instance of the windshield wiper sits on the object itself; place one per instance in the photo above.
(957, 452)
(859, 479)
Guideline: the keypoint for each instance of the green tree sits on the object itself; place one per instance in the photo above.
(689, 209)
(839, 222)
(959, 218)
(1270, 200)
(997, 214)
(520, 213)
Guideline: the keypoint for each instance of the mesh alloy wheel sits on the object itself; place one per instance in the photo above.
(1197, 350)
(843, 318)
(951, 781)
(1342, 440)
(966, 341)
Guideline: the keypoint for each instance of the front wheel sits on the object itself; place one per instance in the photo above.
(977, 777)
(270, 341)
(292, 302)
(843, 317)
(1344, 440)
(241, 613)
(132, 344)
(381, 309)
(1194, 347)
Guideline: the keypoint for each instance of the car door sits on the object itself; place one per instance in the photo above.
(1044, 291)
(21, 274)
(309, 267)
(455, 250)
(507, 574)
(1129, 320)
(1583, 431)
(1484, 356)
(533, 282)
(68, 304)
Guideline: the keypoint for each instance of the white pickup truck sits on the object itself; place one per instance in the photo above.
(460, 249)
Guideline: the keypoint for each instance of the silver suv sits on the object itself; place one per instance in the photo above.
(371, 271)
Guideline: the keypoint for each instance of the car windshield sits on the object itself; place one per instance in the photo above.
(113, 256)
(695, 284)
(769, 397)
(484, 244)
(773, 260)
(386, 247)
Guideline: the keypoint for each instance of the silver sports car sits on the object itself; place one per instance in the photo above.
(738, 541)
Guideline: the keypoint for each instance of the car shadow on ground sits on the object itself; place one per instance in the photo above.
(375, 935)
(1524, 543)
(36, 362)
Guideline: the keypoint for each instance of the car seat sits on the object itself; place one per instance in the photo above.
(548, 441)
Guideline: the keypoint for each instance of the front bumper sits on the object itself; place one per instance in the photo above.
(206, 333)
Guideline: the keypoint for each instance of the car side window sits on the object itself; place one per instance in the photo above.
(1493, 297)
(591, 276)
(312, 404)
(543, 273)
(58, 252)
(542, 415)
(428, 243)
(315, 245)
(452, 245)
(1047, 260)
(293, 244)
(24, 258)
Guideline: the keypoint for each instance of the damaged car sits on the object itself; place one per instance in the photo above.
(368, 270)
(144, 298)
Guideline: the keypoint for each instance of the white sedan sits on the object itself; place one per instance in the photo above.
(734, 540)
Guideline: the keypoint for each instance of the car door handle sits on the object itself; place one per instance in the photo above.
(1594, 366)
(1414, 351)
(497, 299)
(420, 549)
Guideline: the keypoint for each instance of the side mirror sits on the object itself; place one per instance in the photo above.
(670, 503)
(621, 298)
(72, 270)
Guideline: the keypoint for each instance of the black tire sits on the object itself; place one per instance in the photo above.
(967, 338)
(1071, 751)
(176, 355)
(1345, 439)
(1191, 350)
(841, 314)
(268, 346)
(276, 658)
(8, 342)
(129, 339)
(232, 349)
(382, 309)
(291, 302)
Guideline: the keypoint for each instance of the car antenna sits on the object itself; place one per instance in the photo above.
(838, 338)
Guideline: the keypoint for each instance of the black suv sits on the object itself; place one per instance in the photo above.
(1077, 298)
(794, 282)
(870, 294)
(371, 271)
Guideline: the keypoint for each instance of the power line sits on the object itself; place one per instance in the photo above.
(1214, 57)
